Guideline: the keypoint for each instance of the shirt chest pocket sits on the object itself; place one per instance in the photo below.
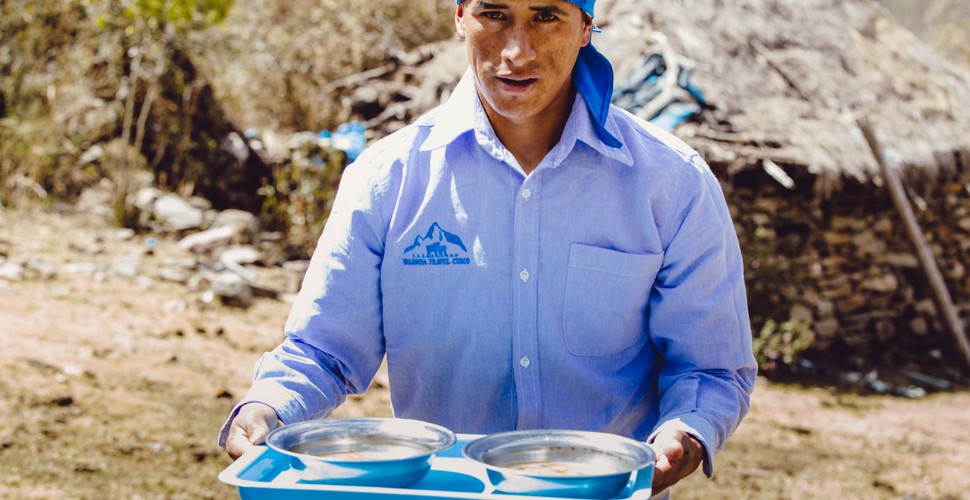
(605, 300)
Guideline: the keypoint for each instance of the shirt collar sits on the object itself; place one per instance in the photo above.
(456, 116)
(463, 112)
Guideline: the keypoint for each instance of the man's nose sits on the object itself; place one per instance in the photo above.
(519, 49)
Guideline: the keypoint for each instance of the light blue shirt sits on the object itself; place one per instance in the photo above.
(604, 291)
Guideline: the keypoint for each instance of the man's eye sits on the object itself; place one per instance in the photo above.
(493, 15)
(545, 17)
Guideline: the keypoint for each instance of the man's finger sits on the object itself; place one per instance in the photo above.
(237, 443)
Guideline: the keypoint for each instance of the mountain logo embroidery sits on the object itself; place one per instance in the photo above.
(436, 248)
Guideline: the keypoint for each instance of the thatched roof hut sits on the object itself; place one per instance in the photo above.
(789, 79)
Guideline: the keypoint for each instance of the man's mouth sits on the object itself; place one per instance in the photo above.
(516, 83)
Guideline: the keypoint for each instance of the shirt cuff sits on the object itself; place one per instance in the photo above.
(287, 410)
(699, 429)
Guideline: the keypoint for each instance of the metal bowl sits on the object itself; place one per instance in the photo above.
(387, 452)
(562, 463)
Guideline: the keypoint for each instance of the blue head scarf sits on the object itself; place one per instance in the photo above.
(593, 78)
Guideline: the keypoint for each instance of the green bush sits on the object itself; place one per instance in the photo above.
(777, 345)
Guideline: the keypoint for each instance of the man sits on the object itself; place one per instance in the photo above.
(526, 257)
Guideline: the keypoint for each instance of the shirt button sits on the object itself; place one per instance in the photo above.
(524, 362)
(524, 276)
(526, 194)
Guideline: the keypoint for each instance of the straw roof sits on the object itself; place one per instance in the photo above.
(790, 78)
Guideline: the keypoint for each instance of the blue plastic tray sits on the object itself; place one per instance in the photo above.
(265, 474)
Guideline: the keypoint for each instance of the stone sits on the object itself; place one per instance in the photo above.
(97, 199)
(886, 283)
(174, 274)
(904, 260)
(926, 307)
(827, 328)
(88, 268)
(125, 266)
(145, 198)
(853, 224)
(12, 271)
(41, 269)
(825, 308)
(246, 223)
(232, 289)
(209, 239)
(851, 304)
(835, 238)
(919, 327)
(175, 213)
(124, 234)
(801, 313)
(868, 243)
(240, 254)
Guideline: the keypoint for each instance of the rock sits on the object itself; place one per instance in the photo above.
(868, 243)
(124, 234)
(176, 306)
(209, 239)
(97, 199)
(232, 289)
(851, 304)
(801, 314)
(835, 238)
(919, 327)
(12, 271)
(827, 328)
(41, 269)
(905, 260)
(245, 222)
(174, 274)
(91, 155)
(88, 268)
(852, 224)
(145, 198)
(886, 283)
(825, 308)
(240, 254)
(125, 266)
(175, 213)
(926, 307)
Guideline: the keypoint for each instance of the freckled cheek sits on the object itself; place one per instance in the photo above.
(486, 50)
(559, 58)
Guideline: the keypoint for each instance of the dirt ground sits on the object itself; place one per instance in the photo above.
(113, 385)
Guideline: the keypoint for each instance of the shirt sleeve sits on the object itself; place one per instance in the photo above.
(334, 338)
(699, 318)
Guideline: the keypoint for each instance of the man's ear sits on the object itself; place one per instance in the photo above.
(587, 29)
(460, 21)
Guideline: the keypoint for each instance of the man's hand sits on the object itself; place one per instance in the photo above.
(678, 455)
(249, 427)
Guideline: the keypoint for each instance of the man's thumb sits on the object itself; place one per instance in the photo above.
(258, 435)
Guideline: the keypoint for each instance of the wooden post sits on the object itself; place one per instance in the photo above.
(926, 258)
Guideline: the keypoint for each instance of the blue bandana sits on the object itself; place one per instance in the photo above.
(593, 78)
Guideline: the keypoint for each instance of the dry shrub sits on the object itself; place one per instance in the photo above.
(271, 62)
(50, 114)
(79, 73)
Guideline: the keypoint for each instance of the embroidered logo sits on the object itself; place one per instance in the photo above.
(436, 248)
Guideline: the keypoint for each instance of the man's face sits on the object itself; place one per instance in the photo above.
(522, 52)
